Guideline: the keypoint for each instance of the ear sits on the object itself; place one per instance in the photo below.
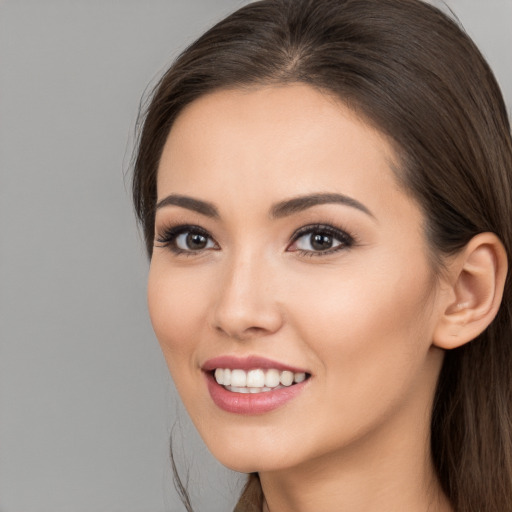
(476, 278)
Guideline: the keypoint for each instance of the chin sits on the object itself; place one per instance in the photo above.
(248, 463)
(242, 456)
(252, 453)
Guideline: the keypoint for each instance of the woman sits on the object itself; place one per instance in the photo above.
(325, 192)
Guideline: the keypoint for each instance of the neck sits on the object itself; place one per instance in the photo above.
(351, 493)
(384, 471)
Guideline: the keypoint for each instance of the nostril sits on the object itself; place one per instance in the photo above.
(243, 310)
(242, 333)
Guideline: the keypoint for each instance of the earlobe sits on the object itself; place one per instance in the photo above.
(477, 278)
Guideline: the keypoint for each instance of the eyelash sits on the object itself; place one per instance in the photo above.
(170, 234)
(346, 240)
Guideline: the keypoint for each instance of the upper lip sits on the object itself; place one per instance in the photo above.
(247, 363)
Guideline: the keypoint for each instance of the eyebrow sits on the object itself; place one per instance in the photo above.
(298, 204)
(279, 210)
(196, 205)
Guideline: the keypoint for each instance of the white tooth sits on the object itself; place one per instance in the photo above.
(255, 379)
(265, 389)
(235, 389)
(286, 378)
(299, 377)
(227, 377)
(238, 378)
(219, 376)
(255, 390)
(272, 378)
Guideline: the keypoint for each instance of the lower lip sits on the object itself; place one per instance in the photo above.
(251, 403)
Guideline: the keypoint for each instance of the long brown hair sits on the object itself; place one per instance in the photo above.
(414, 74)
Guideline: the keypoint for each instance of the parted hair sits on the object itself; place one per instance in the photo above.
(414, 74)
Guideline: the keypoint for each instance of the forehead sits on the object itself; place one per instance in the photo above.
(271, 142)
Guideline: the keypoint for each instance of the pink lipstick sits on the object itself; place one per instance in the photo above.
(252, 385)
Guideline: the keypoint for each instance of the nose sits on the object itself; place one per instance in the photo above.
(246, 306)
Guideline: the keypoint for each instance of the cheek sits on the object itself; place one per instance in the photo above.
(176, 308)
(367, 321)
(178, 304)
(369, 334)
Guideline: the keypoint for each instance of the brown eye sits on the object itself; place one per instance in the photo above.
(193, 241)
(318, 240)
(321, 242)
(186, 239)
(196, 241)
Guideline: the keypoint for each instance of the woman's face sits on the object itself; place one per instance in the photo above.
(285, 251)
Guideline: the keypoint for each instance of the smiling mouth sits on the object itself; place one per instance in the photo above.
(256, 380)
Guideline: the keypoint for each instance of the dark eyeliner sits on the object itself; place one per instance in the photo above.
(168, 235)
(347, 240)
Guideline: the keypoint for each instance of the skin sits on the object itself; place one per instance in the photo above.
(361, 319)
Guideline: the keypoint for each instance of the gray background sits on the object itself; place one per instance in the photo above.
(86, 404)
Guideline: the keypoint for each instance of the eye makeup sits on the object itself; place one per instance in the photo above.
(323, 239)
(317, 239)
(186, 239)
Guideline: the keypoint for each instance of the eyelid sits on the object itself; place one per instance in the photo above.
(167, 236)
(345, 238)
